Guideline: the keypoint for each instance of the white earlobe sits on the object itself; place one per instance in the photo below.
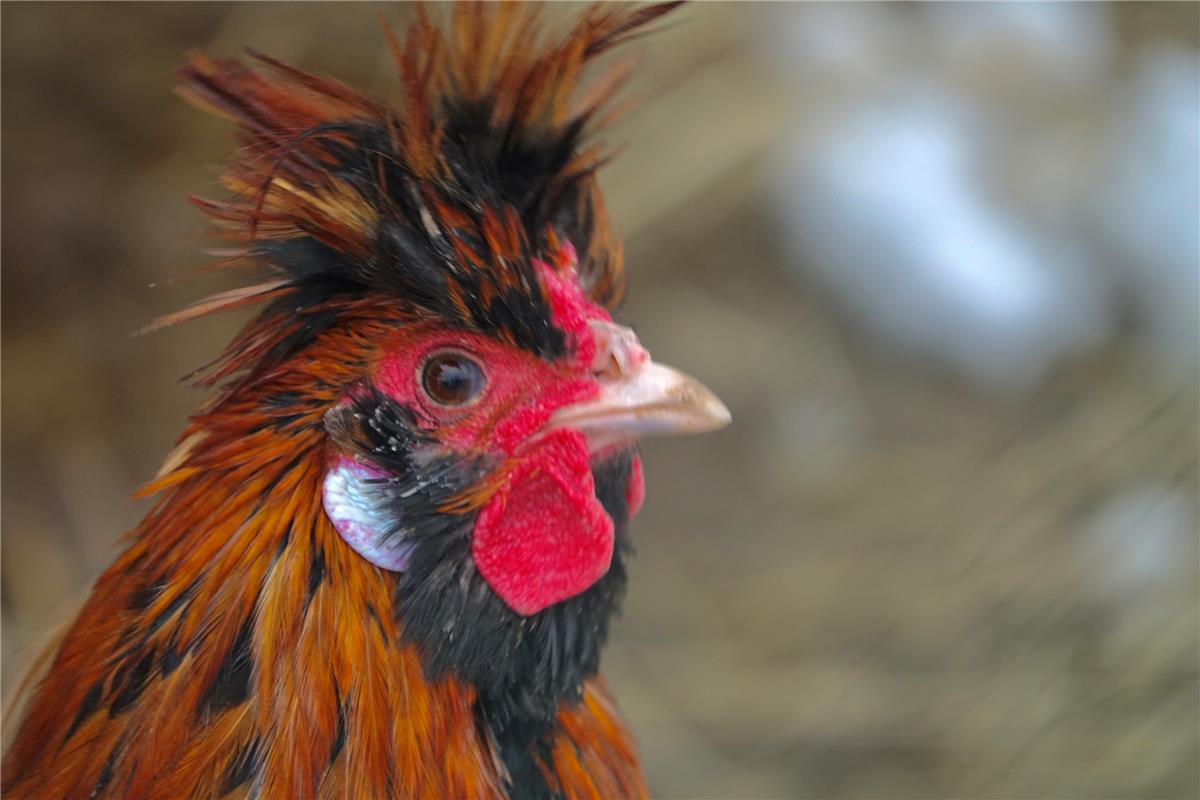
(350, 496)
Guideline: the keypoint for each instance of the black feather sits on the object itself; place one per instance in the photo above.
(231, 686)
(133, 682)
(243, 767)
(91, 702)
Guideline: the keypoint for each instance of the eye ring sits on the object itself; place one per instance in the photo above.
(451, 378)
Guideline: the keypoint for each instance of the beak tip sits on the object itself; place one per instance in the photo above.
(716, 413)
(723, 418)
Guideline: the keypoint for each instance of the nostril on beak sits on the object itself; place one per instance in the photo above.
(618, 351)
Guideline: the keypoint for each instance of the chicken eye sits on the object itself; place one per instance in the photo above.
(452, 379)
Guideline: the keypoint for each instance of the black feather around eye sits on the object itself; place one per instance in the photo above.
(421, 476)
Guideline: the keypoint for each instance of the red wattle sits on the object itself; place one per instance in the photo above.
(544, 537)
(635, 493)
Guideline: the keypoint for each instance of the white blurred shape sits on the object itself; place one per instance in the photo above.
(1142, 536)
(1150, 211)
(889, 214)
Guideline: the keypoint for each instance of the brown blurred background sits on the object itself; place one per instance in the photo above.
(897, 574)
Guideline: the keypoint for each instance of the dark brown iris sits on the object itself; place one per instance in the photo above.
(452, 379)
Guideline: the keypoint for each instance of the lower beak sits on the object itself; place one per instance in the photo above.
(639, 397)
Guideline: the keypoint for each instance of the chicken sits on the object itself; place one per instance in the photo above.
(383, 558)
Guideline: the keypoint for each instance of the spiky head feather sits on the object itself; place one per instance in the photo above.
(442, 205)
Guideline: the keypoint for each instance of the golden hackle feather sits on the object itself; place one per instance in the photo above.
(237, 647)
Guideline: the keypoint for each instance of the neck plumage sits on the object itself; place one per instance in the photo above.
(237, 639)
(240, 646)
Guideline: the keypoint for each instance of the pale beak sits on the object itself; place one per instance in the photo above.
(638, 397)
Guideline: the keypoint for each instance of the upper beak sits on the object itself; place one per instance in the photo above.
(638, 397)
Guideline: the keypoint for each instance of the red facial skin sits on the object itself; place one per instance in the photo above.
(521, 391)
(543, 536)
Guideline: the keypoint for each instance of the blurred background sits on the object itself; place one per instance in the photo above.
(941, 261)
